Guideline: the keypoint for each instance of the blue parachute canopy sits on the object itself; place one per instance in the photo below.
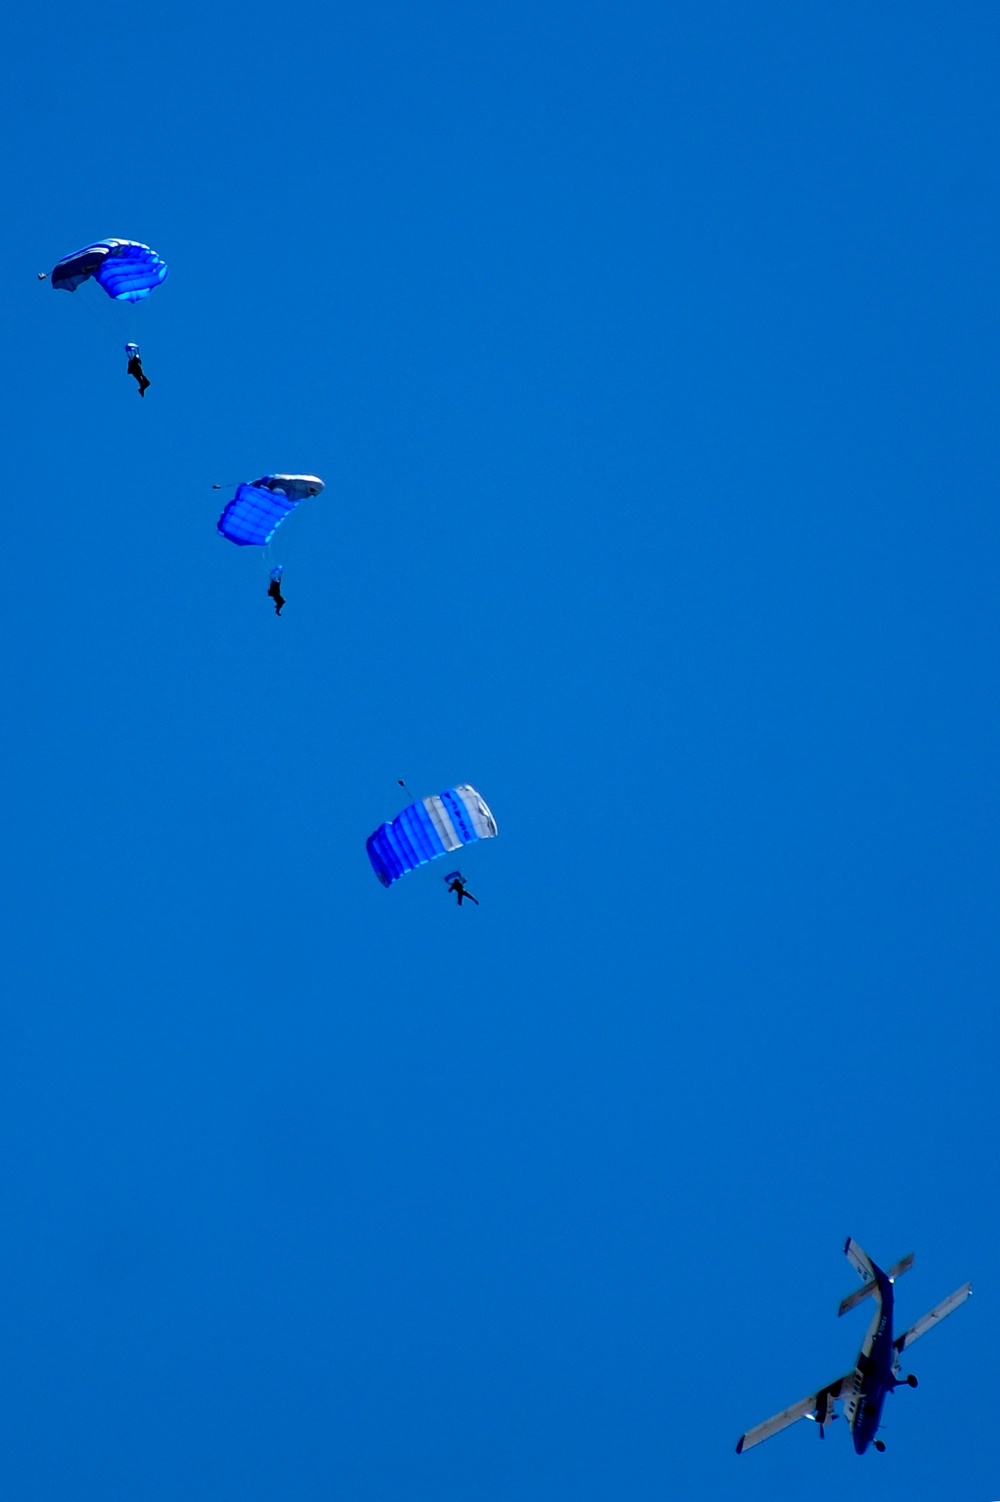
(125, 269)
(258, 509)
(434, 826)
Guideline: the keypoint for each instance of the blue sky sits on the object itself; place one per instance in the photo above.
(648, 355)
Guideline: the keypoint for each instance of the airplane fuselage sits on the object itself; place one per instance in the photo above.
(873, 1375)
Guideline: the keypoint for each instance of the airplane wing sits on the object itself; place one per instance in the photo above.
(935, 1316)
(819, 1405)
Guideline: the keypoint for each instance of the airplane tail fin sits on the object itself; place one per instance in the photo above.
(869, 1274)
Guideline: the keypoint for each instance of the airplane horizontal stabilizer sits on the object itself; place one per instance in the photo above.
(936, 1315)
(896, 1271)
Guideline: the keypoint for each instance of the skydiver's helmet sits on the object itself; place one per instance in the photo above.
(276, 573)
(132, 350)
(454, 876)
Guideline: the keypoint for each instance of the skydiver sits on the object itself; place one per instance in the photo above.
(457, 885)
(274, 591)
(135, 367)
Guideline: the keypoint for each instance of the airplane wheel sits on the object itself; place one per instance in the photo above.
(911, 1380)
(880, 1446)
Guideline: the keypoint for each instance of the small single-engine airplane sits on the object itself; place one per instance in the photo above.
(876, 1370)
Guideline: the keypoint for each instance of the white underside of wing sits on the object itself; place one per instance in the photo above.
(933, 1317)
(807, 1408)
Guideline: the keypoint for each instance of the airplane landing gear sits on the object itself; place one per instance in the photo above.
(880, 1446)
(911, 1380)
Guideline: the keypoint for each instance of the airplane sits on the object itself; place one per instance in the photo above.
(876, 1371)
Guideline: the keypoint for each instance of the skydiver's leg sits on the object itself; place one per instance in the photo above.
(472, 899)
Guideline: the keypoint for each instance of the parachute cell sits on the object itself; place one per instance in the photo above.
(257, 509)
(434, 826)
(126, 270)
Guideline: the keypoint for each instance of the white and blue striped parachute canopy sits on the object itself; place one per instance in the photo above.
(259, 507)
(434, 826)
(126, 270)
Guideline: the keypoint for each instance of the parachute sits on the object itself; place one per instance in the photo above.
(434, 826)
(257, 509)
(126, 270)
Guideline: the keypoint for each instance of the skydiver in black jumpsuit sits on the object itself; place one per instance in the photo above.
(274, 593)
(135, 369)
(457, 885)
